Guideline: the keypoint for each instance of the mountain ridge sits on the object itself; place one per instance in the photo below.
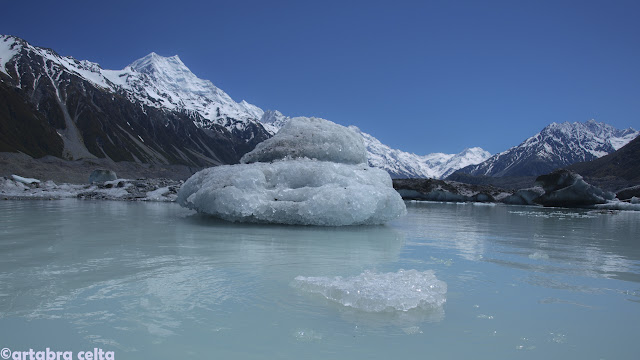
(555, 146)
(165, 85)
(156, 110)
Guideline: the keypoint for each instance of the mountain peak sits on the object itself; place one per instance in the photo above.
(153, 63)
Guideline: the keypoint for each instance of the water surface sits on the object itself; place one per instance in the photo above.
(153, 280)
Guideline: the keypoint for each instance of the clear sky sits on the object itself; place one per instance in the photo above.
(421, 76)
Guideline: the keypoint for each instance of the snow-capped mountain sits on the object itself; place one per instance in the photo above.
(148, 112)
(166, 82)
(401, 164)
(273, 120)
(398, 163)
(155, 81)
(157, 111)
(557, 145)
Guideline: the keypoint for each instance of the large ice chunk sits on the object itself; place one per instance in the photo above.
(373, 292)
(312, 172)
(303, 192)
(566, 188)
(311, 138)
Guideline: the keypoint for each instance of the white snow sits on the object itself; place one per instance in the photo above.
(273, 120)
(166, 82)
(403, 164)
(314, 179)
(311, 138)
(8, 49)
(403, 290)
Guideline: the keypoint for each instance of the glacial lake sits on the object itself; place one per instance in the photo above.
(156, 281)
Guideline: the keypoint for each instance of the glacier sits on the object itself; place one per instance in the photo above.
(294, 179)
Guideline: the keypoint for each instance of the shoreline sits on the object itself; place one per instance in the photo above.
(77, 171)
(159, 190)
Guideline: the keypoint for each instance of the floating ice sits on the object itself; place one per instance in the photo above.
(619, 205)
(311, 138)
(568, 189)
(539, 255)
(304, 192)
(307, 335)
(372, 292)
(299, 187)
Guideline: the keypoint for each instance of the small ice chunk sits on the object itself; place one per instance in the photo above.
(412, 330)
(380, 292)
(307, 335)
(616, 204)
(311, 138)
(25, 180)
(538, 255)
(159, 194)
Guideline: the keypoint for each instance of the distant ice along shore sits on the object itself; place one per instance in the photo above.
(18, 187)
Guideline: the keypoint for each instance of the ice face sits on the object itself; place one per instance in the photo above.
(302, 192)
(311, 138)
(372, 292)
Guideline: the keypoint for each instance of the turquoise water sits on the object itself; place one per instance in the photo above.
(152, 280)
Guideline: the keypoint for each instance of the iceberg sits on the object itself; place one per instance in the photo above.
(313, 172)
(565, 188)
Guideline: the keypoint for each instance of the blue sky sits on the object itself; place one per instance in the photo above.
(421, 76)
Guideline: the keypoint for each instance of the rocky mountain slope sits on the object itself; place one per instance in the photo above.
(153, 111)
(557, 145)
(614, 171)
